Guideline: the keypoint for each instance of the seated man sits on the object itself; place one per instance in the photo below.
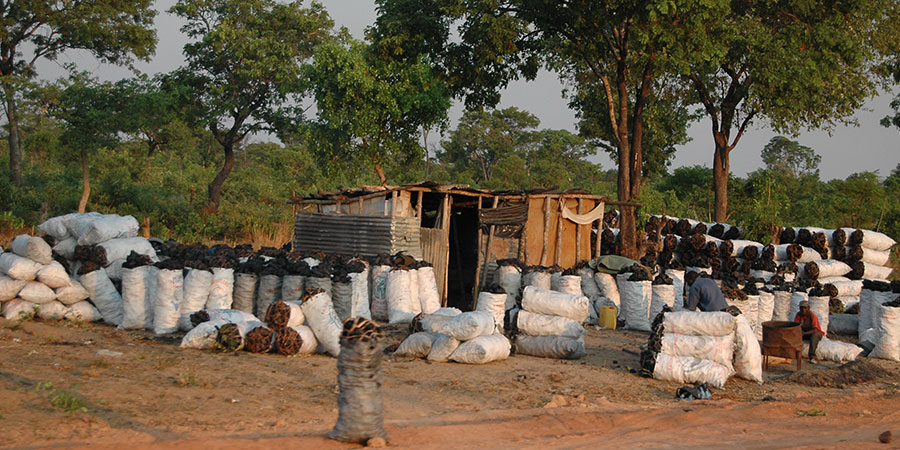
(809, 322)
(703, 293)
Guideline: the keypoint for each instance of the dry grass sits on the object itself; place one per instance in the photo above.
(272, 235)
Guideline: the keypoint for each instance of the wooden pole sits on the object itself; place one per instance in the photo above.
(419, 206)
(147, 227)
(487, 257)
(478, 238)
(599, 233)
(578, 228)
(523, 238)
(545, 245)
(445, 226)
(559, 233)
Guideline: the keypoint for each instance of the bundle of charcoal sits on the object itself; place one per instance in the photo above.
(819, 243)
(222, 251)
(244, 251)
(609, 242)
(221, 261)
(670, 242)
(381, 260)
(198, 264)
(91, 253)
(857, 270)
(668, 225)
(835, 306)
(731, 265)
(733, 293)
(787, 235)
(252, 265)
(611, 219)
(649, 258)
(135, 259)
(726, 249)
(270, 252)
(654, 225)
(683, 228)
(717, 231)
(700, 228)
(260, 340)
(638, 273)
(170, 264)
(767, 265)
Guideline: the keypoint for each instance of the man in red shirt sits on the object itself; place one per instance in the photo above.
(809, 322)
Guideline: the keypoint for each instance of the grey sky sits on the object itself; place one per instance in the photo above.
(847, 150)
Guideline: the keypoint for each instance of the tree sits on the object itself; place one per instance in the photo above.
(372, 109)
(149, 110)
(115, 31)
(88, 112)
(243, 69)
(793, 64)
(618, 51)
(782, 155)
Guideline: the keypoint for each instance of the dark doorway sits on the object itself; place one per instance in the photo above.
(463, 257)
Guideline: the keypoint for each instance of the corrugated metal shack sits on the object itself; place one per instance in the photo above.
(460, 230)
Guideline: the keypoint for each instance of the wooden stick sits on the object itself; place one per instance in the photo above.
(487, 258)
(421, 197)
(545, 250)
(559, 233)
(578, 228)
(523, 238)
(480, 235)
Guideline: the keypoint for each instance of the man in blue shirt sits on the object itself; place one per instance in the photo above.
(703, 293)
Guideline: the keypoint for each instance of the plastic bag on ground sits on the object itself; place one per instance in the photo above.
(635, 297)
(719, 349)
(320, 316)
(416, 345)
(469, 325)
(18, 267)
(203, 336)
(33, 248)
(104, 295)
(697, 323)
(482, 350)
(558, 347)
(747, 354)
(18, 309)
(10, 287)
(221, 289)
(685, 369)
(82, 311)
(169, 292)
(72, 294)
(53, 275)
(543, 301)
(534, 324)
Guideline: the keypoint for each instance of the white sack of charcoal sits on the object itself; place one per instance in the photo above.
(104, 295)
(677, 277)
(820, 305)
(52, 311)
(292, 341)
(320, 316)
(169, 292)
(719, 349)
(536, 324)
(232, 336)
(360, 405)
(747, 353)
(442, 347)
(545, 301)
(66, 248)
(138, 297)
(54, 275)
(82, 311)
(416, 345)
(72, 294)
(18, 310)
(244, 295)
(782, 304)
(662, 293)
(469, 325)
(432, 323)
(609, 290)
(686, 369)
(221, 289)
(482, 350)
(378, 292)
(293, 287)
(837, 351)
(97, 229)
(202, 336)
(557, 347)
(122, 247)
(227, 315)
(268, 291)
(887, 322)
(870, 239)
(796, 298)
(37, 293)
(18, 267)
(429, 298)
(414, 291)
(399, 298)
(509, 277)
(33, 248)
(195, 292)
(635, 297)
(694, 323)
(56, 226)
(765, 310)
(873, 294)
(536, 276)
(10, 287)
(285, 314)
(493, 300)
(359, 294)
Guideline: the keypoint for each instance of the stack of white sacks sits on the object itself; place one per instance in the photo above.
(549, 324)
(400, 294)
(450, 335)
(694, 347)
(33, 284)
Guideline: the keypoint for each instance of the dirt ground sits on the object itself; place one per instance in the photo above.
(74, 385)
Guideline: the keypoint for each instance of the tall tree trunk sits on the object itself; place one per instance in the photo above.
(214, 191)
(85, 182)
(721, 169)
(15, 149)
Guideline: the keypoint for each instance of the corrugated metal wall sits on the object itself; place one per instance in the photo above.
(353, 234)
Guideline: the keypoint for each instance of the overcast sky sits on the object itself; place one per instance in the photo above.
(847, 150)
